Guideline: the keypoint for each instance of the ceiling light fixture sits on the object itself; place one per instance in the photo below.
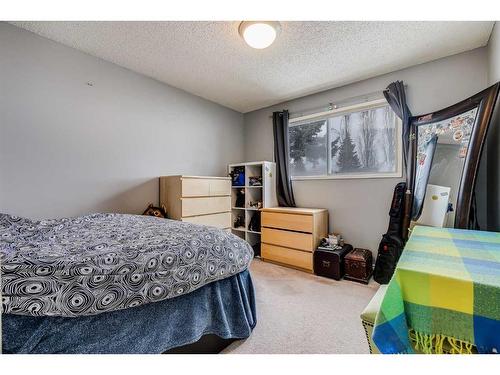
(259, 34)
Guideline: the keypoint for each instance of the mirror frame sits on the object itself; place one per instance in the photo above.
(485, 102)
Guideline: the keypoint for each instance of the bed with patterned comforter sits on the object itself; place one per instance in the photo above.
(101, 264)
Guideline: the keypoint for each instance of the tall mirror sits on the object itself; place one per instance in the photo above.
(446, 148)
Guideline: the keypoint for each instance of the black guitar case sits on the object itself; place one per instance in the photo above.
(391, 246)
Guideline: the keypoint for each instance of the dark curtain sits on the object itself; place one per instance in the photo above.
(396, 97)
(281, 157)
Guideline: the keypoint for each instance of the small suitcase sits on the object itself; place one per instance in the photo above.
(358, 265)
(330, 263)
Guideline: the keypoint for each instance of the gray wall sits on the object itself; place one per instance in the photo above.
(67, 148)
(494, 136)
(358, 208)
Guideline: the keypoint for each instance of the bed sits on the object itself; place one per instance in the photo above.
(112, 283)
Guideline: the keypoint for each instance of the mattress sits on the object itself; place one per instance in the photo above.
(225, 308)
(99, 263)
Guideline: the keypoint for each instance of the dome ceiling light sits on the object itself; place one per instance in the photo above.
(259, 34)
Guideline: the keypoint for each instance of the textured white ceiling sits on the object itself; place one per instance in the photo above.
(210, 59)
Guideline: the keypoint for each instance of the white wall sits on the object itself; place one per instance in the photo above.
(67, 148)
(494, 54)
(494, 136)
(359, 208)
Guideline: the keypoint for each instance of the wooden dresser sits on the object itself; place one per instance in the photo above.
(290, 235)
(197, 199)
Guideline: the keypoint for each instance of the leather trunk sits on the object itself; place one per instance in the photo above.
(330, 263)
(358, 265)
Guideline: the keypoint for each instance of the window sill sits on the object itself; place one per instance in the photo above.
(349, 176)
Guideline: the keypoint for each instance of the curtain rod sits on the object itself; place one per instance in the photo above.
(335, 111)
(337, 104)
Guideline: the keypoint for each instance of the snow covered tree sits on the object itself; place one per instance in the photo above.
(367, 135)
(334, 147)
(348, 160)
(304, 142)
(389, 137)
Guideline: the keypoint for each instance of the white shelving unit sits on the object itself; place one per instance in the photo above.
(265, 193)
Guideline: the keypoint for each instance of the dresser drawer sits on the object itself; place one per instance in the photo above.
(204, 206)
(222, 220)
(195, 187)
(302, 223)
(296, 240)
(204, 187)
(220, 187)
(286, 256)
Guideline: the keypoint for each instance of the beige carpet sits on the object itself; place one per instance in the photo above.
(302, 313)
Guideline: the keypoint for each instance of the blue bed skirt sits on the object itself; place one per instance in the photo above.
(225, 308)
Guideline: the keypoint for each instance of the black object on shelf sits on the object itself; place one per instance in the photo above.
(254, 224)
(329, 262)
(239, 222)
(255, 181)
(256, 249)
(240, 198)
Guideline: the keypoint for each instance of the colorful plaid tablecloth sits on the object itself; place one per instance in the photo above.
(445, 293)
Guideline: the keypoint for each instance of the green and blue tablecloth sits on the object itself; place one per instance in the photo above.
(445, 293)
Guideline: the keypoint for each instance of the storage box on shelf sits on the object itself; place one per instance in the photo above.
(197, 199)
(253, 187)
(290, 235)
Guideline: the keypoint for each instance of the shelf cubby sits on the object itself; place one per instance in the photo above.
(265, 193)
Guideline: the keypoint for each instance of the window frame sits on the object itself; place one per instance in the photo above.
(373, 104)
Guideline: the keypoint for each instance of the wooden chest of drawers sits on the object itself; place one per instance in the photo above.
(290, 235)
(197, 199)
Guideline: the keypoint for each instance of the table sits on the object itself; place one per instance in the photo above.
(444, 295)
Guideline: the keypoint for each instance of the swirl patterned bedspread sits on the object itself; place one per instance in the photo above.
(104, 262)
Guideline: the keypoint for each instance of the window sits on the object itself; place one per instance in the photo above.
(360, 141)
